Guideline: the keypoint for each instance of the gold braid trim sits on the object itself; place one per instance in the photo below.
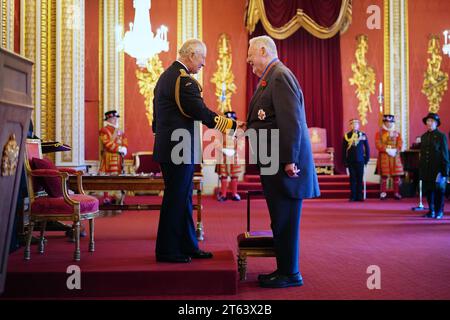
(256, 12)
(223, 124)
(177, 95)
(354, 139)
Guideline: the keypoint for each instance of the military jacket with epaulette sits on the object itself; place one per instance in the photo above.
(177, 104)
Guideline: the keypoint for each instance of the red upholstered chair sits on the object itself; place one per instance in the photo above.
(143, 163)
(55, 204)
(322, 154)
(253, 243)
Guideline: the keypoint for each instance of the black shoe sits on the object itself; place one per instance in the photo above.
(429, 215)
(221, 198)
(440, 215)
(267, 275)
(360, 199)
(181, 258)
(200, 254)
(236, 197)
(351, 200)
(282, 281)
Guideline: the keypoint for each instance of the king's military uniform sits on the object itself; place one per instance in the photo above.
(177, 104)
(356, 152)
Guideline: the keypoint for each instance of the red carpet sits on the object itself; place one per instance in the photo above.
(331, 187)
(339, 241)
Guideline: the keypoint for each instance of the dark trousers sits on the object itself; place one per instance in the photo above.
(176, 230)
(435, 196)
(285, 215)
(356, 170)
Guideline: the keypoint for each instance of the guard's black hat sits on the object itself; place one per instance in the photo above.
(433, 116)
(388, 118)
(111, 114)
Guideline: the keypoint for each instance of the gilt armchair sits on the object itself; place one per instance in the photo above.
(322, 154)
(50, 199)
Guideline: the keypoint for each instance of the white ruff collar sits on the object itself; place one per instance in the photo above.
(111, 125)
(387, 129)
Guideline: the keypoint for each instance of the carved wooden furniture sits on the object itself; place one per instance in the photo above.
(15, 114)
(59, 206)
(322, 154)
(138, 183)
(253, 243)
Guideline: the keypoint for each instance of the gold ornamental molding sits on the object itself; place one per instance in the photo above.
(256, 12)
(223, 78)
(396, 64)
(38, 43)
(190, 24)
(147, 79)
(10, 157)
(363, 78)
(435, 83)
(112, 61)
(7, 24)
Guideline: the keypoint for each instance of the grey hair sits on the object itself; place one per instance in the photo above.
(191, 46)
(265, 42)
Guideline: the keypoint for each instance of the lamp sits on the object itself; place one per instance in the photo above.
(139, 42)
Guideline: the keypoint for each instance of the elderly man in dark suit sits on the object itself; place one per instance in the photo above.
(278, 106)
(177, 104)
(433, 165)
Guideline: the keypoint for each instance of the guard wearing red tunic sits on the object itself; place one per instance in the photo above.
(388, 142)
(230, 166)
(114, 145)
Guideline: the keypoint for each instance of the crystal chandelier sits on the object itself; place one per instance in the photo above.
(139, 42)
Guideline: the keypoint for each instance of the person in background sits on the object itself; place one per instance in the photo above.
(388, 142)
(230, 168)
(434, 165)
(356, 153)
(114, 146)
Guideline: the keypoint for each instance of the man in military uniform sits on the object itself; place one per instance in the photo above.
(388, 142)
(356, 153)
(230, 168)
(433, 165)
(177, 104)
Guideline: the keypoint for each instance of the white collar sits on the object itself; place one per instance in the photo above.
(183, 65)
(112, 125)
(387, 129)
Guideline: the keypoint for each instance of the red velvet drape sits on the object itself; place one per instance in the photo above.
(315, 62)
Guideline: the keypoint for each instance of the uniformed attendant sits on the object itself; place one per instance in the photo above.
(114, 144)
(433, 165)
(177, 104)
(388, 142)
(230, 167)
(356, 153)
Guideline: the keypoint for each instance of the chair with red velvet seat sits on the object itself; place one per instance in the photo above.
(322, 154)
(56, 204)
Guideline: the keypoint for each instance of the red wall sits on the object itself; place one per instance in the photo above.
(374, 58)
(225, 17)
(91, 93)
(137, 127)
(426, 17)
